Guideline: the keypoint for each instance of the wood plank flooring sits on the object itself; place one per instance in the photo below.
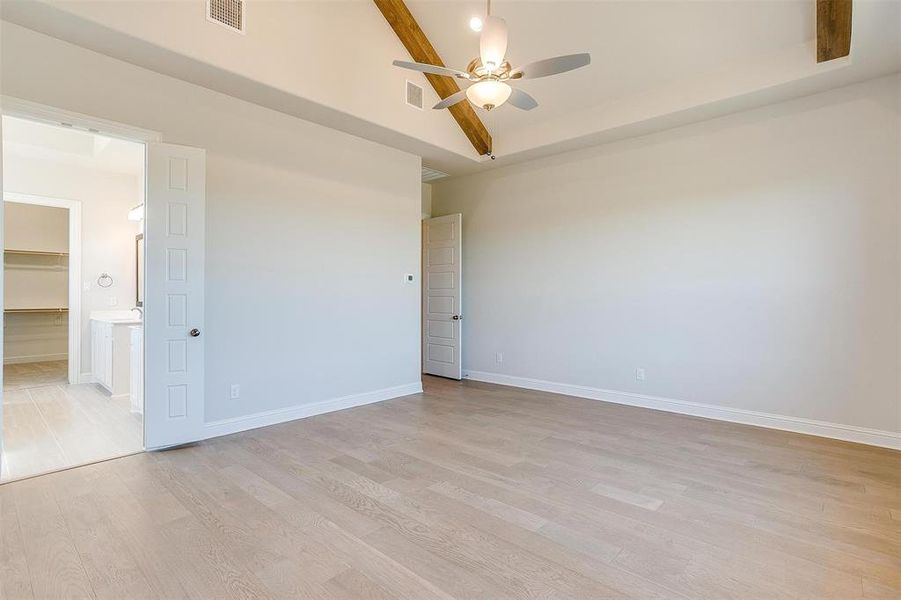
(50, 425)
(467, 491)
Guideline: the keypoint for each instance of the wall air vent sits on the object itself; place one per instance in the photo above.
(431, 174)
(414, 95)
(228, 13)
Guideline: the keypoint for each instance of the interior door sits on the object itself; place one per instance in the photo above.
(173, 295)
(2, 324)
(442, 281)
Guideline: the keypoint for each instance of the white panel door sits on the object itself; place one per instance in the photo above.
(173, 295)
(442, 243)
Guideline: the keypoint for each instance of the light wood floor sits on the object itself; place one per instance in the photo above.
(26, 375)
(467, 491)
(50, 425)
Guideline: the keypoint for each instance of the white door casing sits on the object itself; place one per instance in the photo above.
(173, 302)
(442, 283)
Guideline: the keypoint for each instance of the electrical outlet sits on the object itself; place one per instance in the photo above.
(235, 391)
(640, 375)
(499, 357)
(409, 278)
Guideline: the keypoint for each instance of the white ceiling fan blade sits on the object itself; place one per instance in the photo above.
(522, 100)
(451, 100)
(551, 66)
(433, 69)
(493, 42)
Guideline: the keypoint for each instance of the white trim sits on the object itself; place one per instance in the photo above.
(25, 109)
(74, 316)
(281, 415)
(21, 360)
(86, 378)
(848, 433)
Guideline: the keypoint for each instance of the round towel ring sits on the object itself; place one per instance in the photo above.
(105, 280)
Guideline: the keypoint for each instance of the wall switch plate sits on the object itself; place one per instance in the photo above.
(235, 392)
(499, 357)
(640, 375)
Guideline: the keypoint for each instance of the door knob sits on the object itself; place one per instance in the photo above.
(457, 317)
(194, 332)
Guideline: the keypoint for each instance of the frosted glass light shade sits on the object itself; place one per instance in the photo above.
(488, 94)
(493, 42)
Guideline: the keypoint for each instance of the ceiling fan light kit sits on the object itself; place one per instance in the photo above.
(488, 93)
(491, 74)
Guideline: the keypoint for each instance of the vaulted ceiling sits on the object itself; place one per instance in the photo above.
(655, 64)
(636, 47)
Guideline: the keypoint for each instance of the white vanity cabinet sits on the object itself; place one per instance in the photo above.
(136, 391)
(111, 352)
(102, 353)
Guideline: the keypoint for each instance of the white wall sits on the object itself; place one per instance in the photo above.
(35, 282)
(308, 231)
(426, 200)
(37, 228)
(748, 262)
(107, 236)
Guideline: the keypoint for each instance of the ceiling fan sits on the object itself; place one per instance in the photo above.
(491, 74)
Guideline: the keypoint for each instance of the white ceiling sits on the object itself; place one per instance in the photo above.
(655, 64)
(635, 45)
(39, 141)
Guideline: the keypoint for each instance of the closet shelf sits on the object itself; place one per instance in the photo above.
(35, 310)
(34, 253)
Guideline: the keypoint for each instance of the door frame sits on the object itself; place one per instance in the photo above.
(26, 109)
(74, 271)
(458, 284)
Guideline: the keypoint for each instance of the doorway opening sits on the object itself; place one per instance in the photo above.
(72, 297)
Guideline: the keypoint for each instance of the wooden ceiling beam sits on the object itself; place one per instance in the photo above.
(833, 29)
(421, 50)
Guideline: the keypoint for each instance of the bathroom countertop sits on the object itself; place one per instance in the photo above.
(117, 317)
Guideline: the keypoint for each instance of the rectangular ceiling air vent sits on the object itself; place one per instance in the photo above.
(228, 13)
(414, 95)
(429, 174)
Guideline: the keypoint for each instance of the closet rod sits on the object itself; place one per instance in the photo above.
(34, 252)
(35, 310)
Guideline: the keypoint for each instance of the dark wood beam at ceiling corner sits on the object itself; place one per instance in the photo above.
(833, 29)
(421, 50)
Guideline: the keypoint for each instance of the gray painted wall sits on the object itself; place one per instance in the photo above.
(751, 261)
(309, 231)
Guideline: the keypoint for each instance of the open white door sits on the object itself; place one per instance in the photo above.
(442, 283)
(173, 295)
(2, 323)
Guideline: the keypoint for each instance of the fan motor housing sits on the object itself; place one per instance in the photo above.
(476, 69)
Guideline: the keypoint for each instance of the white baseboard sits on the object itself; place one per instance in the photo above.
(18, 360)
(281, 415)
(849, 433)
(86, 378)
